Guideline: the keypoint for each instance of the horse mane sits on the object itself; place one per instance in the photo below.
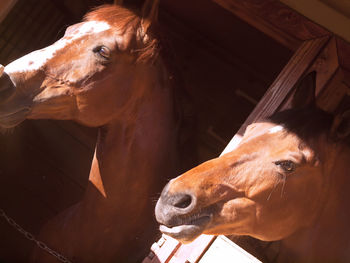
(113, 14)
(307, 123)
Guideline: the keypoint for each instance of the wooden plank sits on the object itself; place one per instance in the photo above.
(342, 7)
(192, 252)
(323, 14)
(163, 250)
(224, 250)
(205, 249)
(276, 20)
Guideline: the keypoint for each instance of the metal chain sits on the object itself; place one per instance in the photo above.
(32, 238)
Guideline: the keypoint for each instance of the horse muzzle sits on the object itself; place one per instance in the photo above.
(178, 217)
(7, 88)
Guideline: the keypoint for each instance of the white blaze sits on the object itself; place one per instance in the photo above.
(276, 129)
(37, 59)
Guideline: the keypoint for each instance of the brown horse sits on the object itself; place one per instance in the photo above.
(105, 72)
(288, 180)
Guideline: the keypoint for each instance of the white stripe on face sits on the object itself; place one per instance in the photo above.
(276, 129)
(37, 59)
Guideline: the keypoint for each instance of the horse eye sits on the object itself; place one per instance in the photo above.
(287, 165)
(102, 51)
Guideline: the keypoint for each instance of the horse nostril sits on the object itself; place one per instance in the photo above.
(184, 201)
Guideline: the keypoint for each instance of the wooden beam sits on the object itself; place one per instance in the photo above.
(224, 250)
(276, 20)
(323, 14)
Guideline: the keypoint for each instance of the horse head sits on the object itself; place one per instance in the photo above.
(89, 75)
(272, 185)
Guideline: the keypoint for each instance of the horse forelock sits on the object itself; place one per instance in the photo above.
(306, 123)
(121, 18)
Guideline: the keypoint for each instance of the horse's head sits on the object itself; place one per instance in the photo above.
(88, 75)
(270, 186)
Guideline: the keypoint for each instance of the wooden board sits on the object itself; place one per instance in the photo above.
(276, 20)
(224, 250)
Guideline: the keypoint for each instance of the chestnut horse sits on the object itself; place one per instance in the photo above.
(288, 180)
(105, 72)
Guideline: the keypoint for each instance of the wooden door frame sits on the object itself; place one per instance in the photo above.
(315, 49)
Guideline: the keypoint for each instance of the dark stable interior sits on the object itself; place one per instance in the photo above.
(226, 66)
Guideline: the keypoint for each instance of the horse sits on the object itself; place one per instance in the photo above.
(105, 72)
(287, 181)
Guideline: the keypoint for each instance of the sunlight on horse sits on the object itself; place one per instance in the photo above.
(287, 180)
(105, 72)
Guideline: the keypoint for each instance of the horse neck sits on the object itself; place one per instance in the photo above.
(135, 149)
(327, 237)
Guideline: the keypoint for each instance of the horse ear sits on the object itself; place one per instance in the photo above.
(149, 13)
(305, 91)
(341, 125)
